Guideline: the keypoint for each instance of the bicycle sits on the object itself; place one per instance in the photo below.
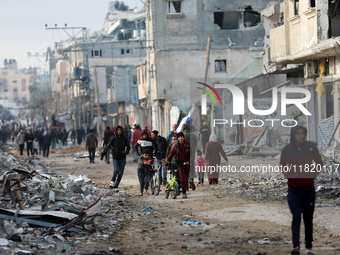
(154, 181)
(173, 186)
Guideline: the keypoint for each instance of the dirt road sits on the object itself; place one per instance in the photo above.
(228, 222)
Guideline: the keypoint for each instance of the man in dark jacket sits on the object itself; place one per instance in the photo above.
(73, 136)
(53, 136)
(120, 148)
(91, 143)
(193, 144)
(46, 141)
(79, 136)
(107, 137)
(160, 151)
(65, 136)
(296, 164)
(29, 142)
(205, 134)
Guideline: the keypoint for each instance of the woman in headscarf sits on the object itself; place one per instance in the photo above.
(213, 152)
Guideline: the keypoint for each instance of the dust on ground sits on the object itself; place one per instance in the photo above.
(229, 221)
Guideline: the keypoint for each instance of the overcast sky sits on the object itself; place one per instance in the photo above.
(22, 25)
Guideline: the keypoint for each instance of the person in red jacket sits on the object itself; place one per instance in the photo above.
(136, 135)
(297, 165)
(147, 130)
(182, 151)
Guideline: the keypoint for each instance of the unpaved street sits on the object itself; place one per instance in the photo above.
(229, 221)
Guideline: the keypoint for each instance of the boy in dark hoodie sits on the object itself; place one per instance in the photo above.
(120, 148)
(143, 171)
(296, 164)
(145, 143)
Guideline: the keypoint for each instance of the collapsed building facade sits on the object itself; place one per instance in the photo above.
(305, 33)
(177, 33)
(100, 71)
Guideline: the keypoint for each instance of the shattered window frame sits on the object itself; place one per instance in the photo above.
(312, 3)
(251, 18)
(228, 20)
(296, 7)
(220, 66)
(174, 7)
(122, 52)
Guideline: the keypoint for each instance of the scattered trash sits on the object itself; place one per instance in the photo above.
(192, 223)
(147, 209)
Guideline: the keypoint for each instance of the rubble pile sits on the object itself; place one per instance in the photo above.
(275, 188)
(41, 212)
(258, 188)
(332, 151)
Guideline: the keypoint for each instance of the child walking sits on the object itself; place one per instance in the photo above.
(143, 172)
(35, 146)
(199, 162)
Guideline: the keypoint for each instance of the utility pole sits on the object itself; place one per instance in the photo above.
(205, 79)
(207, 61)
(83, 48)
(98, 107)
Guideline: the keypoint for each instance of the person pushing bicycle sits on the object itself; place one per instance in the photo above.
(182, 152)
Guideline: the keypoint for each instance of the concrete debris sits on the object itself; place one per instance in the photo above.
(332, 151)
(85, 154)
(274, 187)
(263, 151)
(234, 150)
(39, 208)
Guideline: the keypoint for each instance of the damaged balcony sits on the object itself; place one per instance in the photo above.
(310, 30)
(324, 49)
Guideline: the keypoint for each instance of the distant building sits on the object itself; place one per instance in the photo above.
(14, 86)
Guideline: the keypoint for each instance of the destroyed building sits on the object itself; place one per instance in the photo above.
(177, 34)
(305, 34)
(104, 63)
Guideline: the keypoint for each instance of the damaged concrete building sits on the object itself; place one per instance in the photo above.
(177, 35)
(105, 62)
(303, 40)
